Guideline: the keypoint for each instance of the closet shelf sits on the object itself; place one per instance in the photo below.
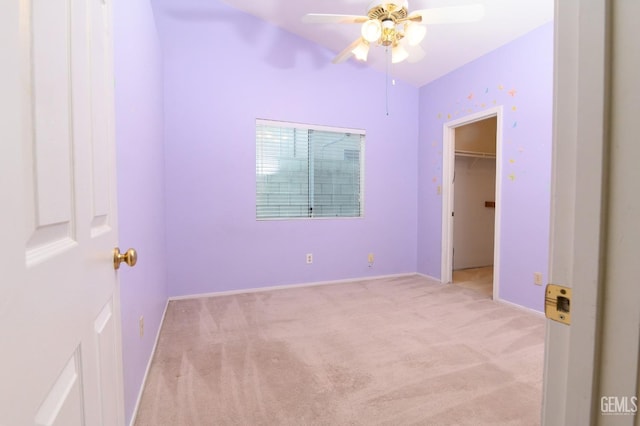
(475, 154)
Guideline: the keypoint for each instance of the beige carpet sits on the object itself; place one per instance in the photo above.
(478, 279)
(401, 351)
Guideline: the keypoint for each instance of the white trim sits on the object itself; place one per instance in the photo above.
(288, 286)
(363, 162)
(269, 219)
(448, 166)
(497, 228)
(146, 373)
(429, 277)
(520, 307)
(320, 128)
(585, 126)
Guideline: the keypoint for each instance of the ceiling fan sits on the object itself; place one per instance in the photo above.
(388, 23)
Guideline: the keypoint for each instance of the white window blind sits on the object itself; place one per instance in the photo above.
(305, 171)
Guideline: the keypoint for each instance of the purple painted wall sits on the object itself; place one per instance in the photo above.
(223, 69)
(140, 158)
(185, 129)
(518, 76)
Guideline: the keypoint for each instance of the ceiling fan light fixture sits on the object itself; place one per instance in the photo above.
(389, 24)
(392, 3)
(414, 33)
(361, 51)
(398, 54)
(389, 33)
(371, 30)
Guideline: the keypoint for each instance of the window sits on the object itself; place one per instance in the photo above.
(308, 171)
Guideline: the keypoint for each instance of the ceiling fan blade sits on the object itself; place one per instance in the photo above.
(328, 18)
(448, 15)
(346, 53)
(416, 54)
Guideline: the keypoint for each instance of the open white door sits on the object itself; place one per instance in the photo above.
(591, 368)
(59, 306)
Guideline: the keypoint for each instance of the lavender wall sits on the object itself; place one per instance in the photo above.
(223, 69)
(519, 77)
(140, 157)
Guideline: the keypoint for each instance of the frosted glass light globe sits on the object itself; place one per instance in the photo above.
(361, 51)
(414, 33)
(371, 30)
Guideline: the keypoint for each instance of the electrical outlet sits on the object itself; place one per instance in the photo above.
(370, 258)
(309, 258)
(537, 278)
(141, 325)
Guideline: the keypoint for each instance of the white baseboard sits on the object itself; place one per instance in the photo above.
(146, 373)
(287, 286)
(520, 307)
(429, 277)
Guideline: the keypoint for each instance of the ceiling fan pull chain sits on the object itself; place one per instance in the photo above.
(386, 79)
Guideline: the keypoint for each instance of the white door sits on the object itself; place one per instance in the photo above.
(591, 366)
(59, 308)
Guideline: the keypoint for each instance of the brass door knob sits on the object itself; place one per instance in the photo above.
(130, 257)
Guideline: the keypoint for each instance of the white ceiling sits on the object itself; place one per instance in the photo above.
(447, 46)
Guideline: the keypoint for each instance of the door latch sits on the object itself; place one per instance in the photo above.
(557, 303)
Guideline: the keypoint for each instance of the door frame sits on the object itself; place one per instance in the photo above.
(448, 168)
(579, 209)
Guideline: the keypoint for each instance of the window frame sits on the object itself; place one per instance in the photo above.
(321, 128)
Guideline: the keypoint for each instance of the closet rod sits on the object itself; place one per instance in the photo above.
(474, 154)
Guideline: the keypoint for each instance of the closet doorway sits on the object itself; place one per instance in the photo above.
(471, 170)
